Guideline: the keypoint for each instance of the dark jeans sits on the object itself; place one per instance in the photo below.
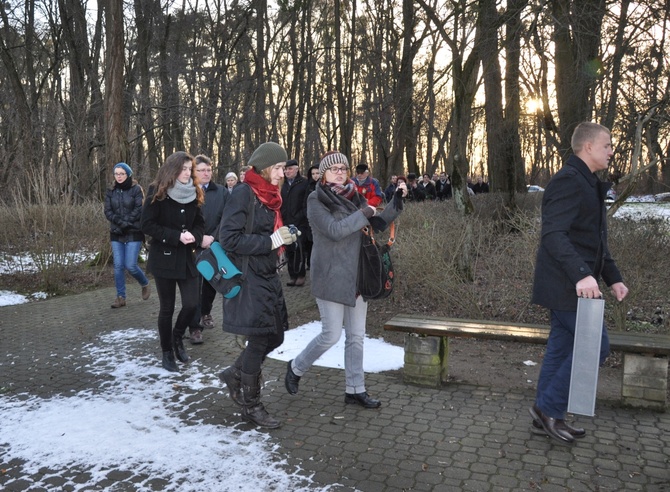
(207, 293)
(258, 347)
(167, 293)
(553, 386)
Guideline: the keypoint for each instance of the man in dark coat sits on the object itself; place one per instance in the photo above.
(415, 193)
(212, 209)
(428, 187)
(572, 257)
(481, 186)
(443, 187)
(294, 212)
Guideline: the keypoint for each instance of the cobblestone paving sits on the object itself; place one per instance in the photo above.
(459, 437)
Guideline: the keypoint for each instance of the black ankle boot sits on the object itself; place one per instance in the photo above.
(179, 350)
(252, 408)
(169, 364)
(232, 377)
(291, 380)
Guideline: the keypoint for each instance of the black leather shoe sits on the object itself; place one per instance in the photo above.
(550, 426)
(576, 432)
(179, 350)
(361, 399)
(291, 380)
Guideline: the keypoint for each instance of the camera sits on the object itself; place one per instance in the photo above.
(293, 229)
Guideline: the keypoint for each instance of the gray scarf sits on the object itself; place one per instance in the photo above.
(182, 193)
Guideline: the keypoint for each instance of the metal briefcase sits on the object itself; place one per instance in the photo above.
(586, 356)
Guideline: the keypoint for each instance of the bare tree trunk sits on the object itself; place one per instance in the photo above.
(344, 78)
(515, 167)
(259, 128)
(577, 25)
(403, 140)
(116, 141)
(25, 100)
(145, 13)
(498, 158)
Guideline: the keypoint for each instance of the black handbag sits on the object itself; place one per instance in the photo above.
(375, 268)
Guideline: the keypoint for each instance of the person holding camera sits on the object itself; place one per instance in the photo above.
(259, 310)
(337, 213)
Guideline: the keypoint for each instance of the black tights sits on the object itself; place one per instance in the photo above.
(258, 347)
(167, 293)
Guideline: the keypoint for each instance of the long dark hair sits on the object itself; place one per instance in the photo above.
(170, 171)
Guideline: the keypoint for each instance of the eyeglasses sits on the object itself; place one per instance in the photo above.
(338, 169)
(206, 170)
(119, 174)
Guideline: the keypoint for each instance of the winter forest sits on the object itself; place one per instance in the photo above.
(488, 88)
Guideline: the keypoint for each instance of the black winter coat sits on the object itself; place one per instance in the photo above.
(293, 208)
(212, 209)
(164, 220)
(573, 243)
(259, 308)
(123, 209)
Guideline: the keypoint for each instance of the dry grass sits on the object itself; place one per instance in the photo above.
(431, 238)
(47, 235)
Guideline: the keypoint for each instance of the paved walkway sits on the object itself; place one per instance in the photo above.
(459, 437)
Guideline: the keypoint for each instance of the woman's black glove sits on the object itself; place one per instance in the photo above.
(378, 224)
(397, 200)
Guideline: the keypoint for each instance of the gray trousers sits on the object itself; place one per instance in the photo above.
(334, 317)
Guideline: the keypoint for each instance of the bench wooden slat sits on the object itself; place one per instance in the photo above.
(649, 343)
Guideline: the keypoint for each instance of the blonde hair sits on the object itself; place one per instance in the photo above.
(586, 132)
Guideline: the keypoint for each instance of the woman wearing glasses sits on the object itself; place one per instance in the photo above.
(123, 209)
(337, 214)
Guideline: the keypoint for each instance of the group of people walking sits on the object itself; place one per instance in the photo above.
(184, 212)
(181, 215)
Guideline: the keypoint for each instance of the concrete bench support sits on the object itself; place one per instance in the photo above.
(645, 381)
(426, 360)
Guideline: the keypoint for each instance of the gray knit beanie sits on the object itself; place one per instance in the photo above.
(330, 159)
(266, 155)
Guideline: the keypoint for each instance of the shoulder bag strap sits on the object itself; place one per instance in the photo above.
(367, 230)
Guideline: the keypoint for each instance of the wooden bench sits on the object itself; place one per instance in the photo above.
(645, 368)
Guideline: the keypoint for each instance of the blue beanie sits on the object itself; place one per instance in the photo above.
(125, 167)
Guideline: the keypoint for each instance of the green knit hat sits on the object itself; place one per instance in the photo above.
(266, 155)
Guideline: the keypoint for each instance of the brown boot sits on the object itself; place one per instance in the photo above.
(146, 292)
(252, 408)
(119, 302)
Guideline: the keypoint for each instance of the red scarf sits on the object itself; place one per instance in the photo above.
(268, 194)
